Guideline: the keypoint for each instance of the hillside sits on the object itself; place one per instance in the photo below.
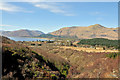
(21, 33)
(55, 36)
(82, 64)
(93, 31)
(19, 62)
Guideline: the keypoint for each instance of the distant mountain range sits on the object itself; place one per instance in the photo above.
(93, 31)
(21, 33)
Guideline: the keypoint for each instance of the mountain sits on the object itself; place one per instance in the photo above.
(93, 31)
(21, 33)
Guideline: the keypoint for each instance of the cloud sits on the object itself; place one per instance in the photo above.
(53, 7)
(95, 13)
(4, 25)
(99, 18)
(12, 8)
(8, 27)
(8, 7)
(98, 14)
(61, 0)
(50, 6)
(33, 0)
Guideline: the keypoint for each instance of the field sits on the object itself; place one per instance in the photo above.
(90, 49)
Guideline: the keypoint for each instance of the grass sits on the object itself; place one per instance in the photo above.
(87, 49)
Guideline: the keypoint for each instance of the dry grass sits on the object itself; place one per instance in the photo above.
(87, 49)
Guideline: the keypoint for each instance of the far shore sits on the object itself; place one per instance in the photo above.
(42, 38)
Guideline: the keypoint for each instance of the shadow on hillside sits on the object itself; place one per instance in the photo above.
(10, 65)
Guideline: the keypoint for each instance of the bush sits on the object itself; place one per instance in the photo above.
(39, 44)
(112, 55)
(33, 44)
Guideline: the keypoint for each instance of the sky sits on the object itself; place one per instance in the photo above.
(51, 16)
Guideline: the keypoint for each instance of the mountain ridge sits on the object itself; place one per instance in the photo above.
(92, 31)
(81, 32)
(22, 33)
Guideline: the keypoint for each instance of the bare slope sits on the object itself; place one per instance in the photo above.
(93, 31)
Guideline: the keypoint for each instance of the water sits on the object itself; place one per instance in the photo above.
(26, 39)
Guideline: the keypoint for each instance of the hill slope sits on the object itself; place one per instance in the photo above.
(22, 32)
(93, 31)
(25, 63)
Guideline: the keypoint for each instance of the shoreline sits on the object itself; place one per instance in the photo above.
(41, 38)
(44, 38)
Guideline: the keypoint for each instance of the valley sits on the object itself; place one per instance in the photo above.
(60, 40)
(58, 59)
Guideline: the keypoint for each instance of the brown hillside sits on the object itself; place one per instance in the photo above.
(93, 31)
(21, 33)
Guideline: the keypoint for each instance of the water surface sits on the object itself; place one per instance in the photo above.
(26, 39)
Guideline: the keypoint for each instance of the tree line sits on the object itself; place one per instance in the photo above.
(100, 42)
